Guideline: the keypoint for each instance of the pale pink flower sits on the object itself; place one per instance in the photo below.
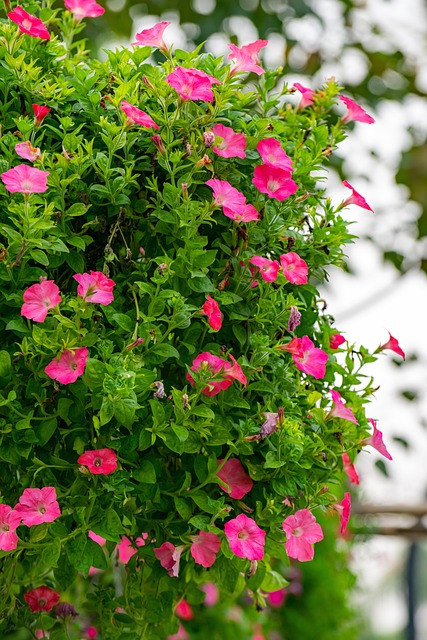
(393, 345)
(272, 154)
(294, 268)
(269, 426)
(227, 196)
(214, 366)
(69, 366)
(302, 531)
(38, 299)
(169, 557)
(181, 634)
(376, 440)
(235, 477)
(307, 95)
(277, 598)
(41, 599)
(350, 469)
(246, 57)
(245, 537)
(313, 361)
(25, 179)
(344, 508)
(211, 309)
(339, 409)
(137, 116)
(336, 340)
(273, 181)
(212, 594)
(204, 548)
(355, 198)
(27, 151)
(38, 505)
(228, 144)
(95, 287)
(184, 610)
(28, 23)
(247, 214)
(153, 37)
(9, 521)
(125, 549)
(269, 269)
(192, 84)
(84, 9)
(355, 112)
(96, 538)
(40, 113)
(99, 461)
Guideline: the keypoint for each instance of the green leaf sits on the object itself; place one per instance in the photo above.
(123, 321)
(51, 553)
(273, 581)
(94, 374)
(45, 430)
(183, 507)
(124, 411)
(146, 473)
(5, 367)
(110, 527)
(165, 350)
(65, 573)
(107, 411)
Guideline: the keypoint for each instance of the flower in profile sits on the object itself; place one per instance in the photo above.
(376, 440)
(192, 84)
(228, 144)
(69, 366)
(336, 340)
(99, 461)
(350, 469)
(95, 287)
(294, 347)
(344, 508)
(313, 360)
(40, 113)
(38, 505)
(393, 345)
(213, 366)
(355, 198)
(302, 531)
(137, 116)
(184, 609)
(152, 37)
(269, 269)
(247, 214)
(294, 268)
(9, 521)
(211, 309)
(245, 537)
(84, 9)
(272, 154)
(276, 183)
(125, 549)
(25, 179)
(246, 57)
(204, 548)
(339, 410)
(29, 24)
(38, 299)
(307, 95)
(355, 112)
(235, 477)
(41, 599)
(27, 151)
(169, 557)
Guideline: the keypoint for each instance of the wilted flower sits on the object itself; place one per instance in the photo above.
(294, 319)
(27, 151)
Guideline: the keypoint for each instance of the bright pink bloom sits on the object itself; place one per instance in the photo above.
(294, 347)
(38, 299)
(245, 537)
(350, 469)
(247, 214)
(212, 594)
(29, 24)
(246, 57)
(95, 287)
(393, 345)
(99, 461)
(376, 440)
(41, 599)
(355, 198)
(126, 550)
(184, 610)
(336, 340)
(69, 367)
(235, 476)
(339, 409)
(273, 181)
(277, 598)
(272, 154)
(213, 366)
(302, 531)
(205, 547)
(211, 309)
(227, 196)
(169, 557)
(307, 95)
(229, 144)
(25, 179)
(294, 268)
(27, 151)
(91, 632)
(355, 112)
(313, 361)
(96, 538)
(344, 508)
(84, 8)
(269, 269)
(181, 634)
(192, 84)
(137, 116)
(40, 113)
(152, 37)
(9, 520)
(38, 505)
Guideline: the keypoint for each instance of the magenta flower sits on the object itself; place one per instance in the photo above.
(38, 505)
(272, 154)
(246, 57)
(339, 409)
(336, 340)
(247, 214)
(277, 598)
(235, 477)
(9, 521)
(376, 440)
(273, 181)
(69, 366)
(125, 549)
(212, 594)
(84, 9)
(350, 469)
(228, 144)
(214, 366)
(302, 531)
(307, 95)
(96, 538)
(99, 461)
(137, 116)
(204, 548)
(393, 345)
(344, 508)
(355, 112)
(29, 24)
(355, 198)
(152, 37)
(269, 269)
(294, 347)
(27, 151)
(294, 268)
(313, 361)
(95, 287)
(245, 537)
(227, 197)
(169, 557)
(38, 299)
(25, 179)
(211, 309)
(40, 113)
(184, 610)
(41, 599)
(192, 84)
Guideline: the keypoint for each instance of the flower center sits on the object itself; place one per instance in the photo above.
(97, 462)
(297, 532)
(243, 535)
(5, 527)
(46, 302)
(27, 24)
(26, 186)
(42, 602)
(272, 185)
(42, 510)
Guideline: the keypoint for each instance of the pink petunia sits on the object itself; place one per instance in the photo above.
(181, 634)
(344, 508)
(125, 549)
(336, 340)
(313, 360)
(235, 477)
(84, 9)
(245, 537)
(96, 538)
(69, 366)
(246, 57)
(38, 299)
(41, 599)
(213, 366)
(272, 154)
(294, 347)
(184, 610)
(227, 196)
(27, 151)
(38, 505)
(192, 84)
(302, 531)
(95, 287)
(355, 198)
(40, 113)
(393, 345)
(273, 181)
(204, 548)
(355, 112)
(152, 37)
(307, 95)
(169, 557)
(277, 598)
(247, 214)
(376, 440)
(211, 309)
(25, 179)
(29, 24)
(339, 410)
(228, 144)
(99, 461)
(9, 521)
(269, 269)
(350, 469)
(294, 268)
(137, 116)
(211, 592)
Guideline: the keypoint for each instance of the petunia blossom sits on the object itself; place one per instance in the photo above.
(213, 366)
(212, 310)
(96, 538)
(29, 24)
(40, 113)
(204, 548)
(269, 269)
(307, 95)
(25, 179)
(313, 360)
(247, 214)
(339, 410)
(246, 57)
(184, 610)
(294, 268)
(227, 196)
(235, 477)
(355, 112)
(336, 340)
(38, 505)
(344, 508)
(9, 521)
(169, 557)
(99, 461)
(41, 599)
(245, 537)
(181, 634)
(69, 366)
(137, 116)
(95, 287)
(228, 144)
(355, 198)
(350, 469)
(152, 37)
(376, 440)
(84, 9)
(211, 592)
(126, 549)
(276, 183)
(272, 154)
(192, 84)
(27, 151)
(38, 299)
(302, 531)
(393, 345)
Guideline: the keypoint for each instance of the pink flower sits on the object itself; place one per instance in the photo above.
(277, 598)
(152, 37)
(246, 57)
(211, 309)
(41, 599)
(27, 151)
(137, 116)
(336, 340)
(126, 550)
(339, 409)
(40, 113)
(69, 366)
(272, 154)
(99, 461)
(84, 8)
(269, 269)
(247, 214)
(294, 268)
(273, 181)
(307, 95)
(234, 475)
(169, 557)
(181, 634)
(184, 610)
(38, 299)
(96, 538)
(313, 361)
(204, 548)
(294, 347)
(29, 24)
(38, 505)
(91, 632)
(9, 520)
(393, 345)
(192, 84)
(25, 179)
(95, 287)
(214, 366)
(228, 143)
(302, 531)
(344, 508)
(376, 440)
(245, 538)
(355, 112)
(355, 198)
(350, 469)
(227, 197)
(212, 594)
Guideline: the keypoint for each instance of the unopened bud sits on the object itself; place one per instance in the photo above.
(142, 251)
(162, 268)
(184, 188)
(134, 344)
(204, 162)
(294, 319)
(188, 149)
(252, 568)
(146, 81)
(158, 142)
(208, 138)
(184, 401)
(160, 393)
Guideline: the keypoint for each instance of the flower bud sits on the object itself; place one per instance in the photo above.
(208, 138)
(294, 319)
(134, 344)
(158, 142)
(204, 162)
